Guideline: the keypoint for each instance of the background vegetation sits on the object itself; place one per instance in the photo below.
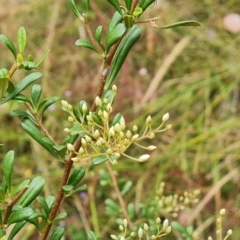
(196, 77)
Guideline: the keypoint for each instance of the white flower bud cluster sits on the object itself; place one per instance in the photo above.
(174, 203)
(98, 132)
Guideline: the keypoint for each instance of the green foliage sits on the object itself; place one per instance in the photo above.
(95, 133)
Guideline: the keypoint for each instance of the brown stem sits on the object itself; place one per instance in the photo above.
(90, 35)
(60, 194)
(149, 20)
(119, 196)
(12, 203)
(134, 5)
(13, 69)
(69, 162)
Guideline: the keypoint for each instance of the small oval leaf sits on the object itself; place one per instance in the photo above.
(9, 44)
(8, 168)
(76, 176)
(36, 94)
(60, 216)
(57, 234)
(114, 35)
(181, 24)
(98, 34)
(85, 43)
(99, 159)
(33, 191)
(22, 37)
(20, 215)
(73, 7)
(22, 85)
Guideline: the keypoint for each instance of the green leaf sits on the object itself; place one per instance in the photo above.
(19, 113)
(178, 227)
(22, 38)
(22, 85)
(43, 106)
(127, 186)
(60, 217)
(128, 4)
(98, 34)
(30, 58)
(79, 189)
(114, 35)
(67, 188)
(85, 43)
(21, 186)
(117, 18)
(128, 20)
(35, 133)
(17, 227)
(33, 219)
(108, 97)
(21, 99)
(2, 195)
(87, 4)
(50, 200)
(42, 58)
(125, 46)
(9, 44)
(145, 3)
(116, 119)
(137, 12)
(91, 236)
(99, 159)
(2, 233)
(181, 24)
(57, 234)
(20, 215)
(73, 7)
(36, 94)
(76, 176)
(116, 5)
(4, 82)
(43, 204)
(27, 65)
(32, 192)
(8, 168)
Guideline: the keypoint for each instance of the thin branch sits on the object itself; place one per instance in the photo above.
(12, 203)
(134, 5)
(119, 196)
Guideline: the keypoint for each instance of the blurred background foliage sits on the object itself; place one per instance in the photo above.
(192, 73)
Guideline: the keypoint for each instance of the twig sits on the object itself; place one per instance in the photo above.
(12, 203)
(134, 5)
(119, 196)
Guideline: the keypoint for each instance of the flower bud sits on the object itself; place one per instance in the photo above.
(70, 147)
(64, 103)
(148, 120)
(165, 117)
(222, 212)
(70, 119)
(135, 128)
(125, 223)
(151, 148)
(135, 137)
(114, 237)
(98, 101)
(140, 232)
(165, 224)
(145, 227)
(114, 88)
(144, 158)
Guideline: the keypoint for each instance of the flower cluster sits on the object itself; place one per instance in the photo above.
(162, 230)
(174, 203)
(219, 223)
(104, 138)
